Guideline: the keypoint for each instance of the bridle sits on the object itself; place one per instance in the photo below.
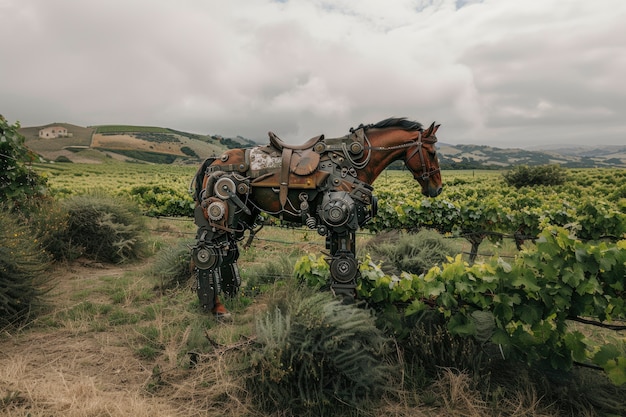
(425, 174)
(418, 150)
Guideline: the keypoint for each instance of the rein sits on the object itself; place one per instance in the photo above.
(418, 147)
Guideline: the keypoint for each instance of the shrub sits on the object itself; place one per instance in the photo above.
(318, 355)
(189, 152)
(105, 228)
(414, 253)
(23, 280)
(259, 277)
(48, 222)
(526, 176)
(428, 347)
(172, 264)
(63, 159)
(17, 181)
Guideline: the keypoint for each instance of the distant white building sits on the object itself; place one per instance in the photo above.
(52, 132)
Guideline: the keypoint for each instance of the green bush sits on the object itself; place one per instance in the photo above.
(528, 176)
(106, 228)
(414, 253)
(317, 356)
(48, 222)
(189, 152)
(172, 264)
(428, 346)
(23, 278)
(18, 181)
(63, 159)
(259, 277)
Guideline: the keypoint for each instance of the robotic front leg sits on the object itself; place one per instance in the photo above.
(216, 270)
(215, 254)
(207, 258)
(344, 267)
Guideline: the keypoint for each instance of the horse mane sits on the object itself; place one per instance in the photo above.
(397, 122)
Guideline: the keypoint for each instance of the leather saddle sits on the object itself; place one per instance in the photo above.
(277, 143)
(297, 163)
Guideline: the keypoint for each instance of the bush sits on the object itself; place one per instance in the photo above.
(259, 277)
(17, 181)
(48, 222)
(317, 356)
(428, 347)
(106, 228)
(23, 280)
(63, 159)
(189, 152)
(525, 176)
(172, 264)
(414, 253)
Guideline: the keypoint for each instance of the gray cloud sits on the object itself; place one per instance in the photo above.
(495, 72)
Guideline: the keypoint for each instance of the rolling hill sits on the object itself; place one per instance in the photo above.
(151, 144)
(476, 156)
(94, 144)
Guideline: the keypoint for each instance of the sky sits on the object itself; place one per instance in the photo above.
(505, 73)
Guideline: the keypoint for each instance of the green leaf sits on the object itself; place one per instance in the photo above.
(530, 313)
(616, 370)
(575, 342)
(415, 307)
(526, 279)
(573, 276)
(501, 337)
(484, 324)
(460, 325)
(503, 314)
(605, 354)
(434, 288)
(447, 300)
(589, 286)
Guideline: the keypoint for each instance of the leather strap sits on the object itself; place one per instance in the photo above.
(284, 177)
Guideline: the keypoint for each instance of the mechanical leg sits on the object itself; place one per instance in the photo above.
(216, 271)
(219, 216)
(344, 267)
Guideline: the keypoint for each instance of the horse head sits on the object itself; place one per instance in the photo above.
(422, 161)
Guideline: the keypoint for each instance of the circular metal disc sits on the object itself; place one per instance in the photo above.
(205, 257)
(224, 187)
(344, 269)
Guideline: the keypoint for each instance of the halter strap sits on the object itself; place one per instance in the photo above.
(425, 174)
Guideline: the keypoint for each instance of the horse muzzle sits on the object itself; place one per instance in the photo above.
(432, 191)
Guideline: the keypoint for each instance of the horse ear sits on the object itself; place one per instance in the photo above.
(431, 130)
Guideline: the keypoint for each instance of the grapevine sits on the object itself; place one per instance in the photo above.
(532, 301)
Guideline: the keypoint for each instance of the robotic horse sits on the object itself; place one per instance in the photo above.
(325, 184)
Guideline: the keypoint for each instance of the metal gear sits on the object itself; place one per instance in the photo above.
(216, 211)
(344, 269)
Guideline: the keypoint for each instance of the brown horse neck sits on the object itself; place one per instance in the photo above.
(381, 159)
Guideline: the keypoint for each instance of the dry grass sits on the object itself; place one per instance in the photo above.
(57, 375)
